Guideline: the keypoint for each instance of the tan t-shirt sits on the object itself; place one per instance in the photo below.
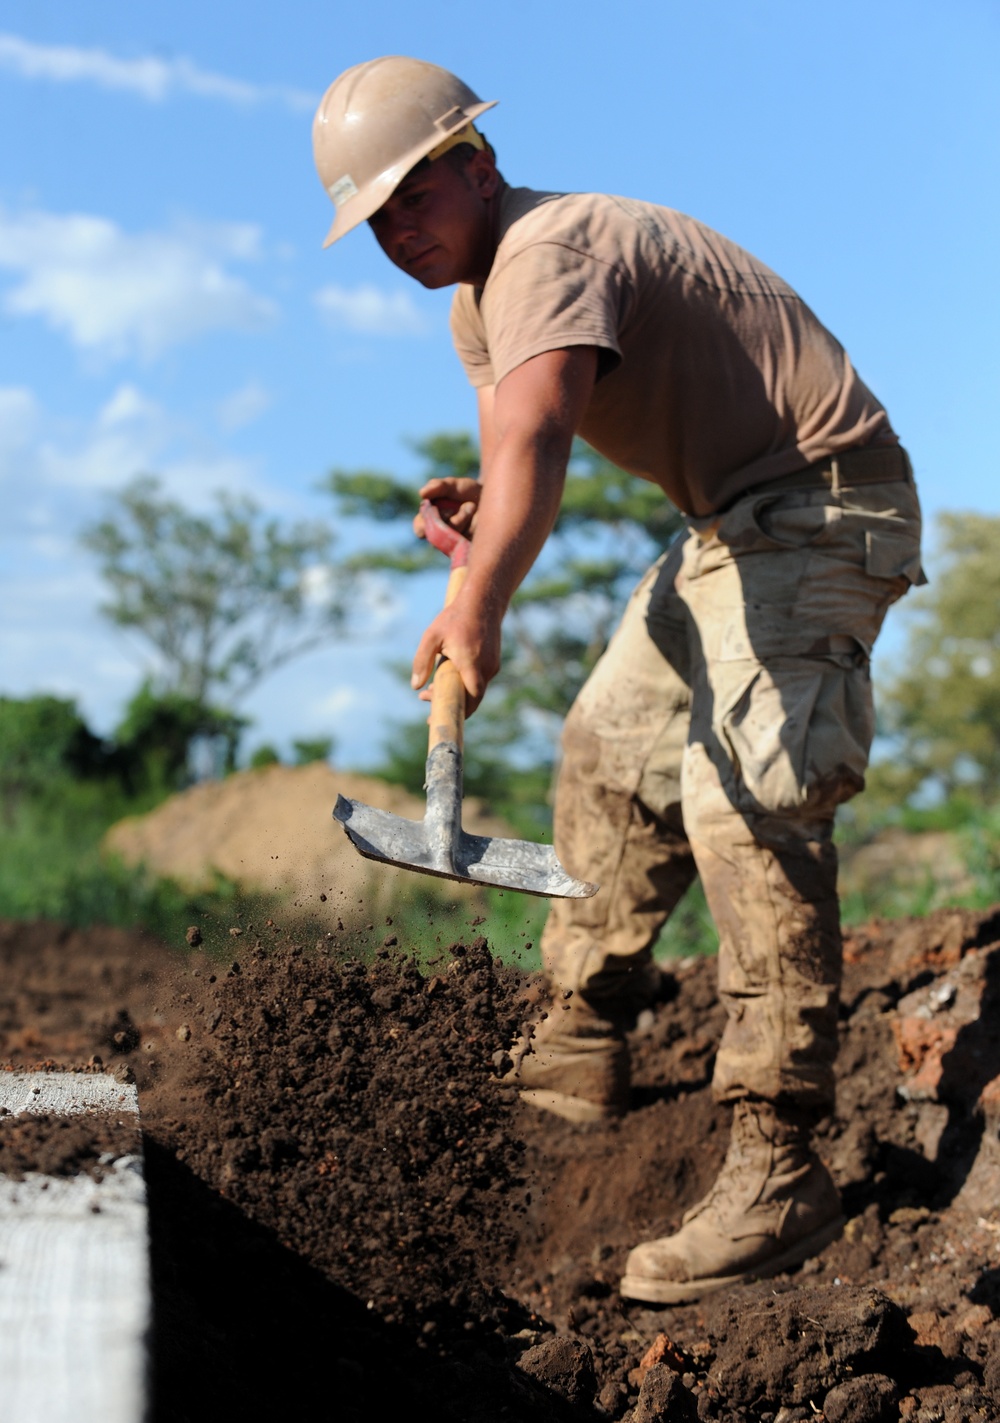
(714, 375)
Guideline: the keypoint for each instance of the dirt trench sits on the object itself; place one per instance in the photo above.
(350, 1213)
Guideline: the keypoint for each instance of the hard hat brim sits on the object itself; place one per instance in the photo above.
(367, 200)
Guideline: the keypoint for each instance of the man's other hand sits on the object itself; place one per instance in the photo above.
(457, 500)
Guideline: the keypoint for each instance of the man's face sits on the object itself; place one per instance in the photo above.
(436, 226)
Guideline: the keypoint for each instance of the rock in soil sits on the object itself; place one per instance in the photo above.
(564, 1366)
(663, 1398)
(870, 1398)
(351, 1215)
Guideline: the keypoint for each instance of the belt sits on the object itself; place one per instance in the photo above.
(876, 464)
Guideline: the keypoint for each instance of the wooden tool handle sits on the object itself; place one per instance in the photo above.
(447, 719)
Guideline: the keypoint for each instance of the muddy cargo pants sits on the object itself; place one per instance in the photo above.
(729, 717)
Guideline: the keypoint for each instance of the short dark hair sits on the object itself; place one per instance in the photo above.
(459, 156)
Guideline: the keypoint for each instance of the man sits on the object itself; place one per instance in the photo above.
(731, 713)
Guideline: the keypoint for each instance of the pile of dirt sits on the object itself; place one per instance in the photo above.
(344, 1198)
(273, 830)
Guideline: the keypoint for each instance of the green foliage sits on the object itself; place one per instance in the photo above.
(155, 738)
(62, 787)
(43, 739)
(941, 710)
(690, 930)
(317, 748)
(51, 867)
(264, 755)
(451, 455)
(384, 499)
(223, 599)
(598, 492)
(48, 840)
(367, 494)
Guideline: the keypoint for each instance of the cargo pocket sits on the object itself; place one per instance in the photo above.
(894, 553)
(797, 733)
(788, 520)
(796, 520)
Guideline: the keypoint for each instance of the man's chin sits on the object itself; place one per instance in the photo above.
(434, 279)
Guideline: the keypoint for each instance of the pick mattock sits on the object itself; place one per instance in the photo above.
(437, 845)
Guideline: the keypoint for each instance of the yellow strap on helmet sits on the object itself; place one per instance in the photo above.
(468, 134)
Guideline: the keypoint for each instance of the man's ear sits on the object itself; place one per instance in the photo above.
(482, 173)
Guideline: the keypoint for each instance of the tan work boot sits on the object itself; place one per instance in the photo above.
(772, 1206)
(574, 1063)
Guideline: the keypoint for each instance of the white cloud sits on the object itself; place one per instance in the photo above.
(243, 406)
(46, 466)
(19, 414)
(318, 584)
(119, 294)
(343, 700)
(127, 406)
(147, 77)
(369, 311)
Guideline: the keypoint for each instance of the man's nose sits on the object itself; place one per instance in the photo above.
(406, 226)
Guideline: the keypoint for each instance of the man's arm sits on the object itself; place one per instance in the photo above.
(527, 426)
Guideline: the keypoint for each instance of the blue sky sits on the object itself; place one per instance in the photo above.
(166, 305)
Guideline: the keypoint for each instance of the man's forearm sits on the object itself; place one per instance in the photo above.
(527, 423)
(522, 490)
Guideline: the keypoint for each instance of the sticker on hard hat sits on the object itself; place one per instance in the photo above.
(342, 189)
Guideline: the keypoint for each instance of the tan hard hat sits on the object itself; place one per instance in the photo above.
(375, 122)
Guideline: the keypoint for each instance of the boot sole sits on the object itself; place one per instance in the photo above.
(571, 1109)
(650, 1290)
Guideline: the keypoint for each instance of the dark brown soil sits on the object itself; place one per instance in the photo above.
(349, 1214)
(84, 1143)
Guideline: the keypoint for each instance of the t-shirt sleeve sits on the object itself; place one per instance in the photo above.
(548, 296)
(469, 337)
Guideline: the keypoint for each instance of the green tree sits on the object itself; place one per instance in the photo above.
(223, 599)
(265, 755)
(153, 743)
(610, 527)
(312, 748)
(44, 741)
(941, 710)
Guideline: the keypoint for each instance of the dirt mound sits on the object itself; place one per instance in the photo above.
(386, 1167)
(273, 830)
(343, 1199)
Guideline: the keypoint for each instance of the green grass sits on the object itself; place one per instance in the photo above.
(51, 867)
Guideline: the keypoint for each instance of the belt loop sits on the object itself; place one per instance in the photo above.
(835, 473)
